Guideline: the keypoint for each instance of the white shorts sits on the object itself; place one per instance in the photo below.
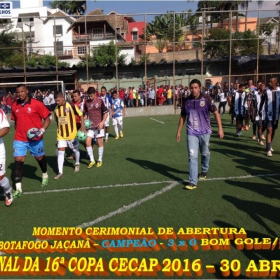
(95, 133)
(118, 120)
(106, 124)
(2, 165)
(72, 144)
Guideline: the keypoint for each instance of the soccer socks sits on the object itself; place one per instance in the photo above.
(268, 146)
(43, 164)
(116, 129)
(121, 127)
(77, 156)
(90, 154)
(60, 161)
(260, 136)
(5, 184)
(18, 170)
(106, 135)
(100, 153)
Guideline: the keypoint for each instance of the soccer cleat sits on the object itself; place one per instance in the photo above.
(99, 164)
(246, 127)
(106, 140)
(77, 168)
(202, 176)
(117, 137)
(45, 182)
(263, 137)
(254, 137)
(91, 164)
(17, 194)
(271, 149)
(261, 143)
(190, 187)
(121, 134)
(8, 199)
(58, 176)
(238, 134)
(269, 154)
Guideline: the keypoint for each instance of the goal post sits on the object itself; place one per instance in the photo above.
(33, 86)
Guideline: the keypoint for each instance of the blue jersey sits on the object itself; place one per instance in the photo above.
(107, 100)
(118, 107)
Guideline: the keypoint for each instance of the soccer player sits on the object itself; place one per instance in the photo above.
(271, 100)
(78, 101)
(197, 110)
(97, 114)
(28, 113)
(67, 131)
(258, 119)
(117, 114)
(238, 101)
(4, 181)
(108, 102)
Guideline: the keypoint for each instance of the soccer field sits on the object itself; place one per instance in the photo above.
(140, 184)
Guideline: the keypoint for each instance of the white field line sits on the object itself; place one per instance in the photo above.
(130, 206)
(149, 183)
(156, 120)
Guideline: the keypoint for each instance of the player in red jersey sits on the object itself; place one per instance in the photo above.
(97, 114)
(27, 113)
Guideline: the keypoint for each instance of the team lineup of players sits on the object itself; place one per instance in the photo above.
(260, 104)
(28, 113)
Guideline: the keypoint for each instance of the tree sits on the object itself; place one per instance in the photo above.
(104, 55)
(243, 43)
(163, 27)
(70, 7)
(9, 46)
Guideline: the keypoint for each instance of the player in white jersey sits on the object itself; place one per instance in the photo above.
(108, 101)
(4, 181)
(271, 102)
(258, 120)
(239, 109)
(117, 114)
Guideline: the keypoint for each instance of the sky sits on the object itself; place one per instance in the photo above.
(160, 6)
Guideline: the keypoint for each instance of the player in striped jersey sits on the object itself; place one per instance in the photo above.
(108, 102)
(66, 131)
(117, 114)
(271, 101)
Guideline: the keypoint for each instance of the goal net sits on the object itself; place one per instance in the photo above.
(40, 87)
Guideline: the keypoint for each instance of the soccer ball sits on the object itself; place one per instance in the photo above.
(81, 136)
(87, 124)
(30, 135)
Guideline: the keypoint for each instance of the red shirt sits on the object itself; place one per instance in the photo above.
(28, 116)
(121, 94)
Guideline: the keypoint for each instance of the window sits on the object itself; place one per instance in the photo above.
(82, 49)
(129, 75)
(58, 48)
(100, 75)
(57, 30)
(165, 72)
(97, 32)
(134, 35)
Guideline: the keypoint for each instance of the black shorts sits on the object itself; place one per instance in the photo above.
(260, 123)
(273, 124)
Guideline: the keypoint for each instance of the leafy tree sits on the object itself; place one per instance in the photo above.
(243, 43)
(70, 7)
(9, 46)
(162, 30)
(266, 28)
(45, 61)
(104, 55)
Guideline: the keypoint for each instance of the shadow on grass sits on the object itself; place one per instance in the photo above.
(158, 167)
(255, 255)
(52, 163)
(257, 211)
